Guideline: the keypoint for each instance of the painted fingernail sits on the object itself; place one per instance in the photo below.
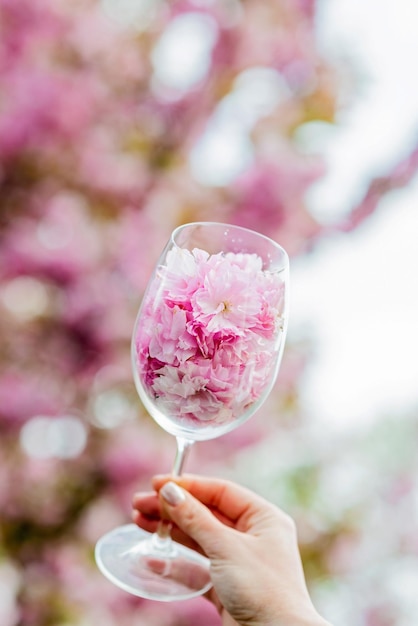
(172, 493)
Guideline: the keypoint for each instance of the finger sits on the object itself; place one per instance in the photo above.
(148, 503)
(151, 525)
(228, 499)
(195, 519)
(190, 573)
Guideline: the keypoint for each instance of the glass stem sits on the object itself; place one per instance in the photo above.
(162, 539)
(183, 448)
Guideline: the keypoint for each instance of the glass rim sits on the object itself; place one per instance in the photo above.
(243, 229)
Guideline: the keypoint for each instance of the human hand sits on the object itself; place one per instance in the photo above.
(256, 569)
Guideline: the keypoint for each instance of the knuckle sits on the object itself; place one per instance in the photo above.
(187, 518)
(288, 523)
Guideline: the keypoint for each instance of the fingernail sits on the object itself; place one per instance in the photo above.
(172, 493)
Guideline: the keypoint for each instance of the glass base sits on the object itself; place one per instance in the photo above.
(150, 567)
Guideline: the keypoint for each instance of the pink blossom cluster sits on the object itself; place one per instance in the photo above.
(209, 335)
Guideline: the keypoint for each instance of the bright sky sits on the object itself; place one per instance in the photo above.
(360, 294)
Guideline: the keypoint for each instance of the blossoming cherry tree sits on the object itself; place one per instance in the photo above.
(206, 349)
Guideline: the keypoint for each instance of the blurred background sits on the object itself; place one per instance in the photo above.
(122, 119)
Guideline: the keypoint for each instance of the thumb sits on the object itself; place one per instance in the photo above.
(194, 519)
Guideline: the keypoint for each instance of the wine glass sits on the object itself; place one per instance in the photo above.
(206, 349)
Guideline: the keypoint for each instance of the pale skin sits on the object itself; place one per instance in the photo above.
(256, 569)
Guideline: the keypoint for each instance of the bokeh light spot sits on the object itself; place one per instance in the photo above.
(10, 582)
(25, 297)
(182, 56)
(220, 155)
(54, 235)
(225, 149)
(63, 437)
(111, 408)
